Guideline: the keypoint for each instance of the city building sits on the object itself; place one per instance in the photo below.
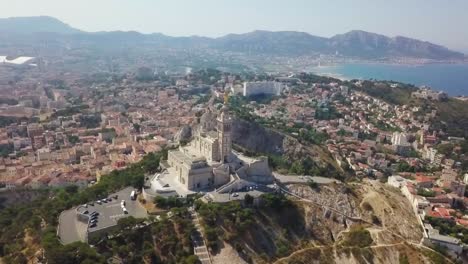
(400, 143)
(427, 93)
(257, 88)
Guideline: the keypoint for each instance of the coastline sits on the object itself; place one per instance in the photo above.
(392, 63)
(447, 77)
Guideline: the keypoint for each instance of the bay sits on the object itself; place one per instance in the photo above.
(450, 78)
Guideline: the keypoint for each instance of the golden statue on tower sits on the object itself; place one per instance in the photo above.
(226, 97)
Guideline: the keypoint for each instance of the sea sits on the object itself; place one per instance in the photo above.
(450, 78)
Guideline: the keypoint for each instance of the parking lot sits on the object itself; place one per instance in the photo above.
(108, 213)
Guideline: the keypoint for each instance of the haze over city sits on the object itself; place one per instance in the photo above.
(425, 20)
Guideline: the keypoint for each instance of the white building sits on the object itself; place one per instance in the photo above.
(465, 178)
(396, 181)
(453, 244)
(256, 88)
(17, 61)
(399, 139)
(400, 143)
(430, 153)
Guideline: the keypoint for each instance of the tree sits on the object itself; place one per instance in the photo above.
(297, 168)
(137, 127)
(308, 165)
(426, 193)
(341, 132)
(192, 259)
(6, 149)
(312, 184)
(248, 199)
(73, 139)
(90, 121)
(150, 162)
(72, 189)
(275, 201)
(169, 202)
(405, 167)
(358, 237)
(137, 181)
(127, 223)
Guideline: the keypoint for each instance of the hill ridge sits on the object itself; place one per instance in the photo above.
(355, 43)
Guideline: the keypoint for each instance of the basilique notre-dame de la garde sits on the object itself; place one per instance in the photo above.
(208, 160)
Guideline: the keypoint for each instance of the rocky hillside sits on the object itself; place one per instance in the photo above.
(365, 44)
(381, 228)
(258, 140)
(399, 253)
(355, 43)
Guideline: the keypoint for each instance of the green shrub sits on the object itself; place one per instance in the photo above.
(358, 237)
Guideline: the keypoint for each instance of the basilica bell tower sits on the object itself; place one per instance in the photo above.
(224, 132)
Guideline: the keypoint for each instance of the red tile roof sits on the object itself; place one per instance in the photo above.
(422, 178)
(463, 222)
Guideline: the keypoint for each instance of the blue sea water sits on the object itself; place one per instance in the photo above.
(450, 78)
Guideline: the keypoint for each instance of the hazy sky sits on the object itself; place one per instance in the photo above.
(441, 21)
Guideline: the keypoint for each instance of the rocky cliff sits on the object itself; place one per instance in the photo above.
(305, 232)
(257, 139)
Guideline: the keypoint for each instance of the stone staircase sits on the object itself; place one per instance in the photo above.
(199, 246)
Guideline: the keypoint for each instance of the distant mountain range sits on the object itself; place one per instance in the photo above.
(29, 25)
(356, 44)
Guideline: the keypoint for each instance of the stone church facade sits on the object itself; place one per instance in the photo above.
(208, 163)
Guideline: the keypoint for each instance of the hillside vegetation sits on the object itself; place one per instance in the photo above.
(34, 222)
